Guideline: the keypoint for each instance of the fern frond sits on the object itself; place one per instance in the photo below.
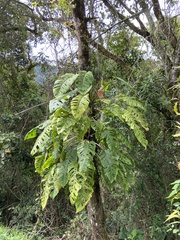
(79, 105)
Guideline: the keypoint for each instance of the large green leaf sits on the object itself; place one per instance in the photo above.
(130, 101)
(109, 163)
(74, 183)
(139, 133)
(80, 185)
(42, 140)
(60, 176)
(114, 110)
(47, 187)
(137, 116)
(85, 192)
(63, 125)
(84, 82)
(82, 126)
(85, 153)
(31, 134)
(110, 138)
(39, 161)
(79, 105)
(63, 84)
(54, 104)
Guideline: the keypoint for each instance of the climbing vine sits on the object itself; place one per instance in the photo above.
(75, 141)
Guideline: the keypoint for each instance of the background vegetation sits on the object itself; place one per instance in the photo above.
(138, 60)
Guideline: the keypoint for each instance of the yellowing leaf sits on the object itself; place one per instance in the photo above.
(176, 110)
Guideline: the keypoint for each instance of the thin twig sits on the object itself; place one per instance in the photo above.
(40, 104)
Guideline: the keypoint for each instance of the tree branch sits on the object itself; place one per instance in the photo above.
(137, 30)
(108, 54)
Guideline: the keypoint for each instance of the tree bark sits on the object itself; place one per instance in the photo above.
(96, 214)
(80, 24)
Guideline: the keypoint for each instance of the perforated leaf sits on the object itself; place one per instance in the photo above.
(110, 138)
(80, 184)
(85, 191)
(139, 133)
(54, 104)
(45, 195)
(84, 82)
(63, 84)
(63, 125)
(39, 161)
(130, 101)
(41, 140)
(109, 164)
(74, 183)
(60, 176)
(47, 187)
(79, 105)
(85, 153)
(82, 126)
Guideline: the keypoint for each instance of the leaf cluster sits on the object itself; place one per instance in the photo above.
(74, 145)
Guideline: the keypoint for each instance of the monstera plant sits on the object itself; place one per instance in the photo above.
(82, 136)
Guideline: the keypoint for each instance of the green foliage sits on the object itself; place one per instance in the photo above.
(10, 234)
(174, 217)
(174, 196)
(74, 144)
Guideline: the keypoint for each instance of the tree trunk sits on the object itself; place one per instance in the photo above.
(80, 24)
(95, 207)
(96, 214)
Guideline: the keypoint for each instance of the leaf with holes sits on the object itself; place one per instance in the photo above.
(85, 153)
(109, 164)
(84, 82)
(79, 105)
(42, 140)
(54, 104)
(63, 84)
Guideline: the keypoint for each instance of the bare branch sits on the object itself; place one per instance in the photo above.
(28, 109)
(137, 30)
